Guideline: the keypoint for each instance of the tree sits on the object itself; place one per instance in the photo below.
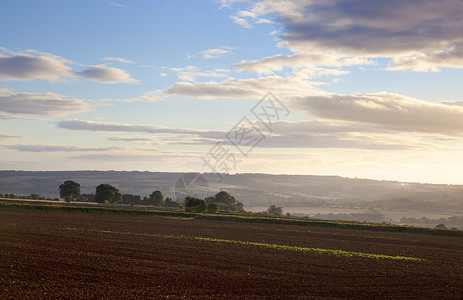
(106, 192)
(87, 198)
(156, 198)
(441, 226)
(35, 196)
(170, 202)
(275, 210)
(69, 190)
(213, 208)
(225, 198)
(193, 204)
(226, 201)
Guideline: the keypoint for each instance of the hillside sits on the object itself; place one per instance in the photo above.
(251, 189)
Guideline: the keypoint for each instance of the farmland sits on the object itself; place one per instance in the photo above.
(57, 254)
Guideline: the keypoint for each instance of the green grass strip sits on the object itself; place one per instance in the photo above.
(339, 253)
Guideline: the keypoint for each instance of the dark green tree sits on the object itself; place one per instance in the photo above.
(35, 196)
(226, 201)
(156, 198)
(69, 190)
(275, 210)
(225, 198)
(441, 226)
(193, 204)
(106, 192)
(213, 207)
(170, 202)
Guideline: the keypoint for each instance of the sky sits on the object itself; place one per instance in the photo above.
(358, 88)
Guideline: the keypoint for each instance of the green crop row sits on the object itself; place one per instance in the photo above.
(335, 252)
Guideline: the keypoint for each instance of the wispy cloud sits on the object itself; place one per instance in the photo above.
(241, 21)
(252, 88)
(191, 73)
(17, 117)
(300, 60)
(119, 59)
(5, 136)
(116, 4)
(304, 134)
(214, 53)
(57, 148)
(121, 127)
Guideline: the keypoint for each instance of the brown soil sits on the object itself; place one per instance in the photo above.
(101, 256)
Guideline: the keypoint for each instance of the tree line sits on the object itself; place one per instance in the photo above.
(108, 194)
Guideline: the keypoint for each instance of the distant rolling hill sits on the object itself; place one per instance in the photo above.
(251, 189)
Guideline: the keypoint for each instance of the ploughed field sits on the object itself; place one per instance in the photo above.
(52, 254)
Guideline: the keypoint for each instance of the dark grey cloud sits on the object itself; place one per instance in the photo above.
(421, 35)
(374, 27)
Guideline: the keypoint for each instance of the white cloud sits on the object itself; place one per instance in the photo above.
(303, 134)
(240, 21)
(47, 104)
(298, 60)
(249, 14)
(386, 110)
(294, 85)
(112, 3)
(28, 67)
(119, 59)
(106, 75)
(214, 53)
(263, 21)
(191, 73)
(430, 62)
(38, 65)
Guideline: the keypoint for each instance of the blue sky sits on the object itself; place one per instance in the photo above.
(365, 88)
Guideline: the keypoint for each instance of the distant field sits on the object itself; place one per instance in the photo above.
(394, 215)
(309, 211)
(54, 254)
